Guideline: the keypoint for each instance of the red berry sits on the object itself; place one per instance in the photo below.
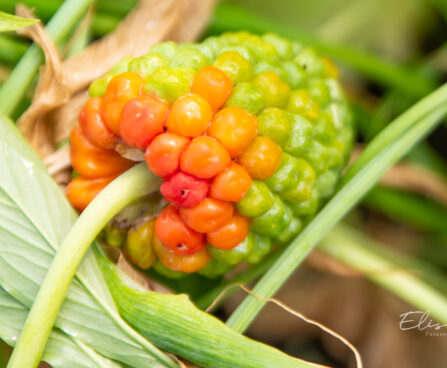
(184, 190)
(175, 235)
(142, 119)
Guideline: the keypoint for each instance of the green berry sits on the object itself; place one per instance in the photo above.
(306, 208)
(262, 246)
(256, 201)
(326, 183)
(237, 67)
(296, 76)
(282, 45)
(274, 91)
(275, 124)
(319, 91)
(114, 235)
(306, 182)
(214, 268)
(167, 49)
(310, 62)
(170, 83)
(300, 136)
(246, 96)
(147, 64)
(138, 247)
(286, 175)
(189, 57)
(234, 255)
(301, 103)
(274, 221)
(291, 231)
(99, 86)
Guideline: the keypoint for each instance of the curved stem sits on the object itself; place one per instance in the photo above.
(134, 183)
(335, 209)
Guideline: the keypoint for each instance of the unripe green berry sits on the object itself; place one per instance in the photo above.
(306, 182)
(296, 76)
(147, 64)
(291, 231)
(256, 201)
(300, 136)
(262, 246)
(311, 62)
(326, 183)
(189, 57)
(319, 91)
(274, 91)
(306, 208)
(274, 221)
(234, 255)
(246, 96)
(167, 49)
(98, 87)
(276, 124)
(318, 156)
(170, 83)
(282, 45)
(235, 66)
(286, 175)
(138, 247)
(301, 103)
(214, 268)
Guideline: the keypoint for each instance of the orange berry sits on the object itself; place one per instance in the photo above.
(91, 120)
(231, 184)
(175, 235)
(142, 119)
(81, 191)
(180, 263)
(230, 234)
(163, 153)
(120, 90)
(262, 158)
(213, 85)
(94, 162)
(207, 216)
(204, 157)
(190, 116)
(235, 128)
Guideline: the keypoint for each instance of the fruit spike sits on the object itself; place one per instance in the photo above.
(248, 132)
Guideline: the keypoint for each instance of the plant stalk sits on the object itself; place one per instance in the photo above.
(336, 208)
(134, 183)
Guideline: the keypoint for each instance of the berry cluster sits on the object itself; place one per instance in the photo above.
(249, 133)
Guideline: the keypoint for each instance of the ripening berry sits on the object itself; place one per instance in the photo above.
(229, 234)
(213, 85)
(81, 191)
(163, 153)
(142, 119)
(91, 120)
(208, 216)
(204, 157)
(190, 116)
(235, 128)
(180, 263)
(120, 90)
(176, 235)
(184, 190)
(94, 162)
(231, 184)
(262, 158)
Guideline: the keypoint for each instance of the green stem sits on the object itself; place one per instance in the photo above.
(394, 131)
(11, 50)
(360, 253)
(334, 210)
(229, 17)
(131, 185)
(23, 74)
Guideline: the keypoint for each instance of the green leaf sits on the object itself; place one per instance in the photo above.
(9, 22)
(62, 351)
(34, 219)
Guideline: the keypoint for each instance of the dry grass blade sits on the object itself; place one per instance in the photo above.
(61, 90)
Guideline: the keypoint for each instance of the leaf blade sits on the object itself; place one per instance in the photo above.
(9, 22)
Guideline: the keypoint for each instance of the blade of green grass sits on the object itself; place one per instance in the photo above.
(365, 177)
(12, 91)
(9, 22)
(362, 254)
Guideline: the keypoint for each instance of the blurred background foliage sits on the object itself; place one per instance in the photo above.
(390, 53)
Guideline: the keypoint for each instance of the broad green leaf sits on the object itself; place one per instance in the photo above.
(9, 22)
(62, 351)
(34, 218)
